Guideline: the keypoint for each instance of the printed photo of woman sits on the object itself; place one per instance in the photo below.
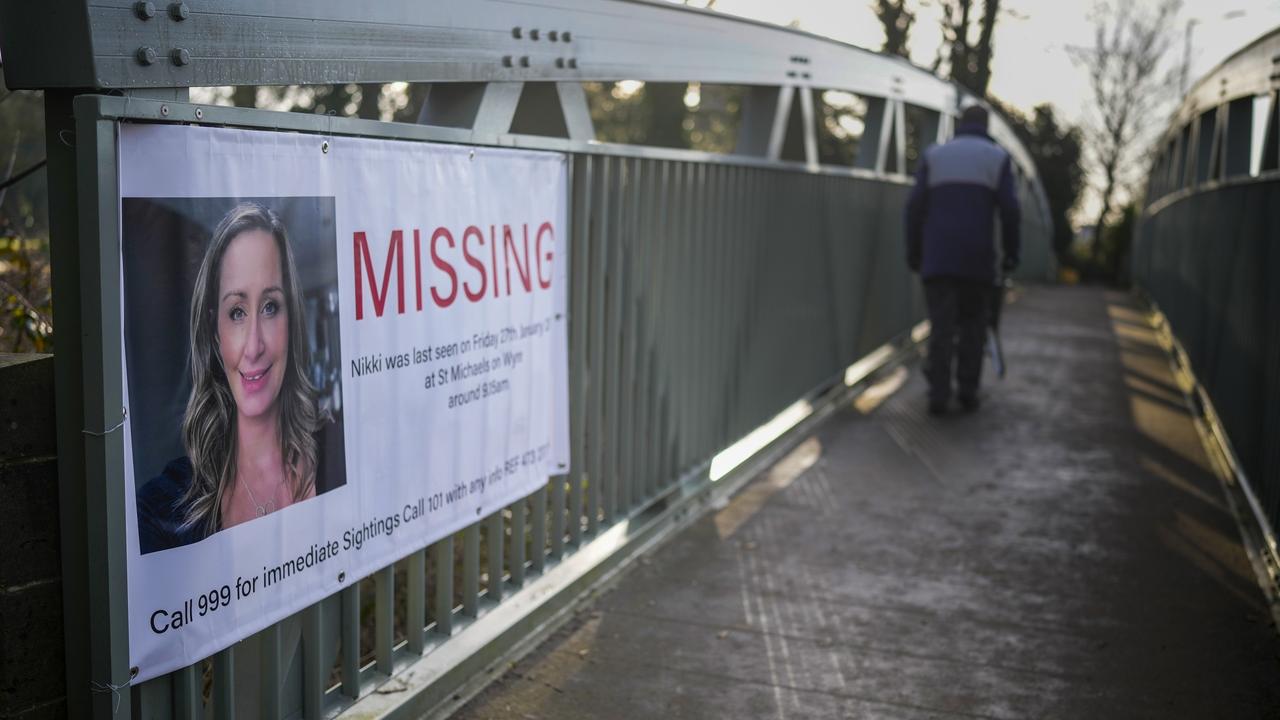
(252, 417)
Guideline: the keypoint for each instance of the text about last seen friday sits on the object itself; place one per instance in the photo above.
(470, 369)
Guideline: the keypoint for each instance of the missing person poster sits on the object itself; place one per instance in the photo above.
(336, 351)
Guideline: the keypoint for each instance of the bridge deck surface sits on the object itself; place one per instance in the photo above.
(1066, 552)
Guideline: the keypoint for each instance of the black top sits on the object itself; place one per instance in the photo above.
(160, 509)
(160, 512)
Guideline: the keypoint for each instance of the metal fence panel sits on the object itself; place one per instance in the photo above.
(1210, 260)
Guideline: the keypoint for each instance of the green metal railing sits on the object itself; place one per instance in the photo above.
(1206, 254)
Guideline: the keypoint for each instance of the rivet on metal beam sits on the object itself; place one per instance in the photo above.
(553, 36)
(180, 56)
(560, 62)
(533, 34)
(145, 55)
(199, 114)
(144, 10)
(324, 146)
(566, 36)
(524, 61)
(506, 61)
(164, 110)
(573, 63)
(516, 33)
(179, 11)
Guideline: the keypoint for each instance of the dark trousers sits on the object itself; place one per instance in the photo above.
(958, 316)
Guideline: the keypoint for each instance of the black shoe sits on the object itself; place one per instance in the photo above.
(969, 403)
(937, 407)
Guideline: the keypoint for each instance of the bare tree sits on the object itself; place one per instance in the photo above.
(1129, 88)
(896, 19)
(969, 56)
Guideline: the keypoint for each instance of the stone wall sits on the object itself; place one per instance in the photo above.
(32, 672)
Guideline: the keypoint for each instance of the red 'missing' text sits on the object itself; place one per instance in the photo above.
(467, 266)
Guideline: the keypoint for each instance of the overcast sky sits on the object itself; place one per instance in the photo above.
(1031, 63)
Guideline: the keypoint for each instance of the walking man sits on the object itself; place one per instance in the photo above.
(951, 243)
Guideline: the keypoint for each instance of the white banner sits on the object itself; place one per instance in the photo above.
(336, 352)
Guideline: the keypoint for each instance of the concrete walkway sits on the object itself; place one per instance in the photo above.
(1067, 552)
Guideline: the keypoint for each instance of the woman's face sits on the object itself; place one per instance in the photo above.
(253, 322)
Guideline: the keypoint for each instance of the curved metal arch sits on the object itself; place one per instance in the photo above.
(103, 44)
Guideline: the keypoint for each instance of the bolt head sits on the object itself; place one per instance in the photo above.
(164, 110)
(145, 55)
(560, 62)
(573, 63)
(534, 34)
(524, 61)
(507, 61)
(516, 33)
(199, 114)
(566, 36)
(180, 56)
(553, 36)
(144, 10)
(179, 11)
(324, 146)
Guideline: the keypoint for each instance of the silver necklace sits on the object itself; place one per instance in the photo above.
(259, 507)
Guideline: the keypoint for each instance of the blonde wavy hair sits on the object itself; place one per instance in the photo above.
(209, 425)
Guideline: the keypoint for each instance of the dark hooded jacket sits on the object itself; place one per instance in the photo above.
(951, 213)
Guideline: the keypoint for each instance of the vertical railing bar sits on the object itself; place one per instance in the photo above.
(556, 503)
(518, 539)
(269, 676)
(443, 556)
(616, 295)
(659, 348)
(675, 325)
(538, 536)
(724, 303)
(187, 693)
(627, 338)
(599, 268)
(711, 233)
(617, 350)
(745, 265)
(471, 570)
(224, 685)
(711, 303)
(644, 337)
(494, 540)
(314, 674)
(660, 342)
(700, 311)
(351, 639)
(581, 254)
(643, 255)
(680, 350)
(697, 313)
(384, 587)
(416, 603)
(742, 266)
(689, 352)
(733, 250)
(766, 189)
